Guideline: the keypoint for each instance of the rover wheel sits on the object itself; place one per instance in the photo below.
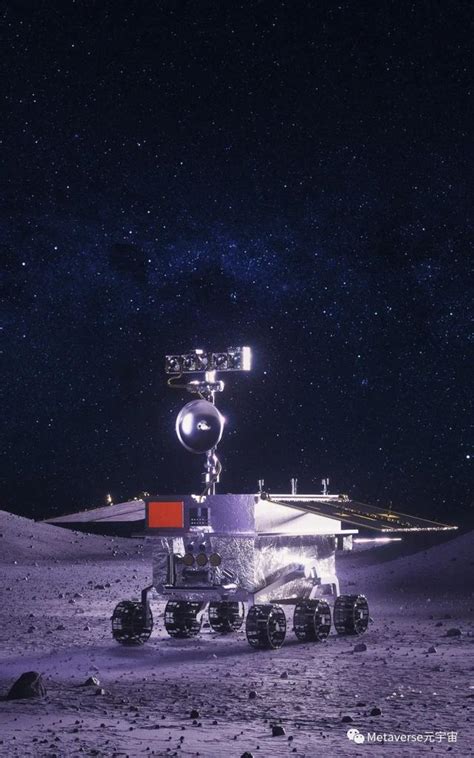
(351, 614)
(226, 616)
(266, 626)
(312, 620)
(181, 618)
(132, 623)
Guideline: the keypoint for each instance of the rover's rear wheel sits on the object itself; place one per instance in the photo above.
(312, 620)
(266, 626)
(226, 616)
(351, 614)
(132, 623)
(181, 618)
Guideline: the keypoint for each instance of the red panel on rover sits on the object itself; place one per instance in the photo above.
(165, 515)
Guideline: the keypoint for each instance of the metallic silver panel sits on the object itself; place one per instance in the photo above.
(281, 555)
(239, 557)
(281, 518)
(286, 565)
(229, 514)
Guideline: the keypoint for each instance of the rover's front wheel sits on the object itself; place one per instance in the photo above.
(132, 623)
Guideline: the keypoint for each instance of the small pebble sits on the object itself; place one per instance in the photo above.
(453, 632)
(277, 731)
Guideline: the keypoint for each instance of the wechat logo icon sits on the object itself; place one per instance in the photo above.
(356, 736)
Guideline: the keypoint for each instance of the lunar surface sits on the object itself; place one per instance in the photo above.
(411, 674)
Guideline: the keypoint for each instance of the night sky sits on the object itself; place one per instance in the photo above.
(289, 175)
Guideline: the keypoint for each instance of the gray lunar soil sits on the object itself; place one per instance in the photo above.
(215, 696)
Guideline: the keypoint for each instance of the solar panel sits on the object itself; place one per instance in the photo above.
(360, 514)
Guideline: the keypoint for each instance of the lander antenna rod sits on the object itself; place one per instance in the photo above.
(199, 425)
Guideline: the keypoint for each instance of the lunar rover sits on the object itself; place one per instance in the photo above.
(215, 554)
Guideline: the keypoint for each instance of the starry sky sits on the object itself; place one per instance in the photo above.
(293, 176)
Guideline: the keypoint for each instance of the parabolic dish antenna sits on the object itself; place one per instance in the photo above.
(199, 426)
